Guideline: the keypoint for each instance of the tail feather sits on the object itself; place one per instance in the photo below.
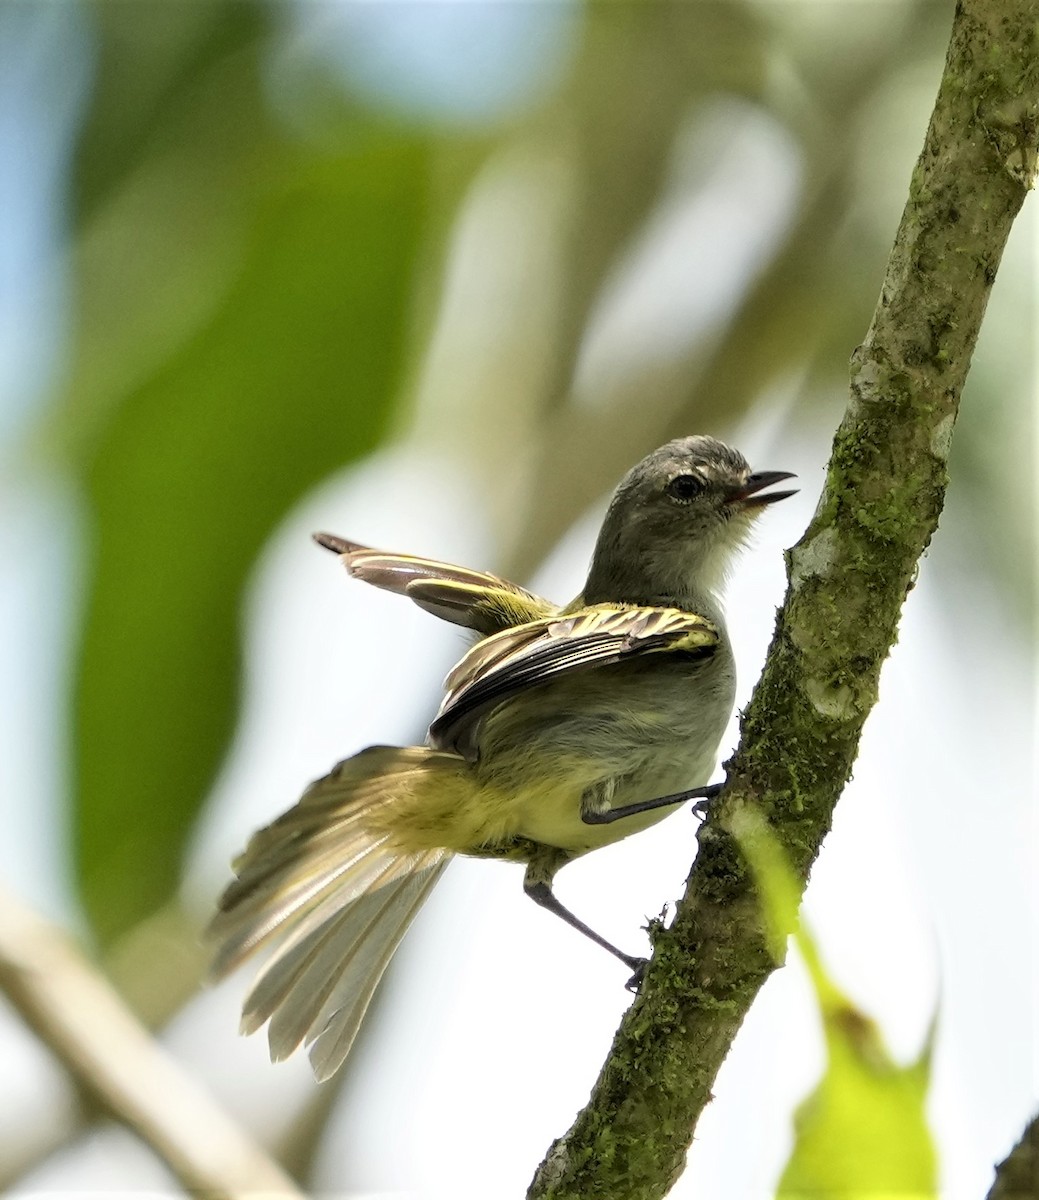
(313, 892)
(344, 1010)
(336, 970)
(343, 798)
(324, 887)
(318, 936)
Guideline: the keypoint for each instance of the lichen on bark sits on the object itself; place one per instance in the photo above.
(848, 578)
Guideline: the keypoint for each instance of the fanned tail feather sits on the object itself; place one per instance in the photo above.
(344, 1009)
(332, 899)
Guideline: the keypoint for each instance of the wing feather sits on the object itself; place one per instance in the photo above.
(476, 599)
(537, 653)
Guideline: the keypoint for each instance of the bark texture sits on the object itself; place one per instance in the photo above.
(1017, 1176)
(848, 578)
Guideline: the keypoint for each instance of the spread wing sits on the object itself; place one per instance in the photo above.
(537, 653)
(475, 599)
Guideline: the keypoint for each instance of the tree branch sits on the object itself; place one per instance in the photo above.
(1017, 1176)
(79, 1017)
(848, 578)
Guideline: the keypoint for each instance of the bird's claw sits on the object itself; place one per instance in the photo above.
(639, 966)
(700, 808)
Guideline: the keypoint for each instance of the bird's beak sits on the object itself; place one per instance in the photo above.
(749, 494)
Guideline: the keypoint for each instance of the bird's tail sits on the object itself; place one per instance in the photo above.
(327, 891)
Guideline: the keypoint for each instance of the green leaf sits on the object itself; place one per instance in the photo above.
(862, 1134)
(284, 365)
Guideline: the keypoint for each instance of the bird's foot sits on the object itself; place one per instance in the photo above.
(700, 807)
(638, 966)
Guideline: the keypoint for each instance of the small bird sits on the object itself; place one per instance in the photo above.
(561, 730)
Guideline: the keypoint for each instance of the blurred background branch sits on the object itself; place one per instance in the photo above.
(116, 1063)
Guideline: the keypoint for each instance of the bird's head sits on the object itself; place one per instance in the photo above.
(675, 522)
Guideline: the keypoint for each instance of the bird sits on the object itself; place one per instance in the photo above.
(562, 729)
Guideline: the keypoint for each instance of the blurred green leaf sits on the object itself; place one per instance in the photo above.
(287, 368)
(862, 1134)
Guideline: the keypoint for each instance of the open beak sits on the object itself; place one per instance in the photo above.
(749, 494)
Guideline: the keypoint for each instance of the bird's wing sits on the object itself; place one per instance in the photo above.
(541, 651)
(475, 599)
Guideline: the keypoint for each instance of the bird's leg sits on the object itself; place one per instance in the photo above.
(537, 883)
(595, 808)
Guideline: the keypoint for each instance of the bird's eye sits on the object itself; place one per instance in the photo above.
(685, 487)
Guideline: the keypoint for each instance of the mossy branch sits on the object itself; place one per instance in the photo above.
(848, 578)
(1017, 1176)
